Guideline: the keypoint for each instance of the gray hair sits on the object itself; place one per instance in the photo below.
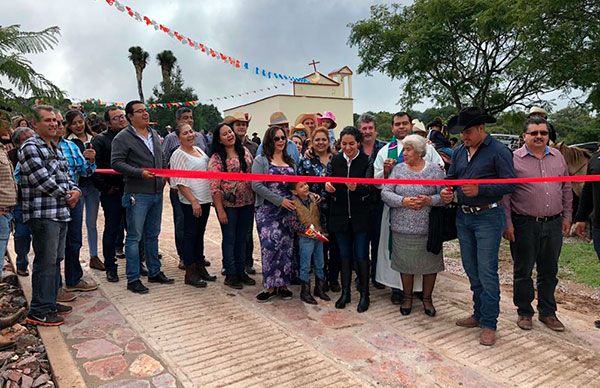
(366, 118)
(38, 108)
(16, 136)
(180, 112)
(417, 142)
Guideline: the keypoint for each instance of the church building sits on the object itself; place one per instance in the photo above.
(332, 92)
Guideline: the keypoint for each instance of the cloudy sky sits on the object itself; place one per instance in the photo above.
(282, 35)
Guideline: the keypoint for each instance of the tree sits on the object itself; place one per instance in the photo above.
(16, 73)
(166, 61)
(139, 58)
(205, 116)
(493, 54)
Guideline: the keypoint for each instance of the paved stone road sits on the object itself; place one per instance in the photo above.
(217, 337)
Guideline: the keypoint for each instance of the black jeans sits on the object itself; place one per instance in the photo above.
(114, 215)
(177, 221)
(539, 244)
(193, 235)
(377, 214)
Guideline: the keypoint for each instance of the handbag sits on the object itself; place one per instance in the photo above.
(442, 227)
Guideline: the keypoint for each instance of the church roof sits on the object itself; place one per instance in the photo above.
(343, 70)
(320, 79)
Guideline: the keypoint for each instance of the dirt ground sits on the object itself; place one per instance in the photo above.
(569, 295)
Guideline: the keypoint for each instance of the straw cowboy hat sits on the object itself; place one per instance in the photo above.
(418, 126)
(327, 115)
(237, 116)
(278, 118)
(469, 117)
(305, 116)
(538, 110)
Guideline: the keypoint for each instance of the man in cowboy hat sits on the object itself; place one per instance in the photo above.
(480, 222)
(239, 121)
(541, 112)
(309, 120)
(279, 120)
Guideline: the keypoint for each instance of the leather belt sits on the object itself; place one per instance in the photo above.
(538, 219)
(476, 209)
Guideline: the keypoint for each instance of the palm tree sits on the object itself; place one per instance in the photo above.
(166, 60)
(139, 57)
(16, 73)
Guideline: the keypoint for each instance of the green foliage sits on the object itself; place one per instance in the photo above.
(574, 124)
(17, 76)
(139, 58)
(579, 263)
(205, 116)
(166, 60)
(493, 54)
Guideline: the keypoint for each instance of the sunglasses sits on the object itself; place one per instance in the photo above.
(538, 133)
(277, 138)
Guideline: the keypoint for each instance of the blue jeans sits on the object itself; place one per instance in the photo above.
(73, 271)
(91, 202)
(5, 221)
(235, 232)
(310, 248)
(353, 246)
(177, 221)
(48, 246)
(114, 214)
(596, 237)
(143, 215)
(22, 238)
(479, 236)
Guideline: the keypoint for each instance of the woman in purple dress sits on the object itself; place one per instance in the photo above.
(274, 216)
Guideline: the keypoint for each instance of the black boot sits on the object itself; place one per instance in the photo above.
(204, 275)
(346, 280)
(363, 274)
(192, 276)
(305, 295)
(320, 285)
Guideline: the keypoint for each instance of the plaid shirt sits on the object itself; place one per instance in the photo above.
(78, 165)
(45, 181)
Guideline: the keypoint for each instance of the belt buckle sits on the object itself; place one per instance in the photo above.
(540, 219)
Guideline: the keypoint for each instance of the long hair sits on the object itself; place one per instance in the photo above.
(218, 148)
(70, 116)
(269, 146)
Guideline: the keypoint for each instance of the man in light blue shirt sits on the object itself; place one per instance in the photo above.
(278, 119)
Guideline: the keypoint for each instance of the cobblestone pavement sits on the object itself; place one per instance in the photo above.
(181, 336)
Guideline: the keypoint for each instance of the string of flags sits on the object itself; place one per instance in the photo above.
(203, 48)
(156, 105)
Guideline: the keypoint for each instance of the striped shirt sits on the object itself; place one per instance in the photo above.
(45, 181)
(181, 160)
(78, 165)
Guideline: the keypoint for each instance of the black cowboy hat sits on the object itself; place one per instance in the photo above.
(467, 118)
(437, 122)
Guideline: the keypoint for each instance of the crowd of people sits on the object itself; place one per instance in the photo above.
(388, 235)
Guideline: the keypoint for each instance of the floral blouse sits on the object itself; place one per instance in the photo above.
(242, 189)
(314, 167)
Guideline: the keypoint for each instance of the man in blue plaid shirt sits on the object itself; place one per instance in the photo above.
(48, 193)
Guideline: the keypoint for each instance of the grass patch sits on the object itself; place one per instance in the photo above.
(579, 263)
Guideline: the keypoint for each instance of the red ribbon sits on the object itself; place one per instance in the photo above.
(237, 176)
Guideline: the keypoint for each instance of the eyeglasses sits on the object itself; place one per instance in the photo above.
(538, 133)
(119, 117)
(140, 111)
(277, 138)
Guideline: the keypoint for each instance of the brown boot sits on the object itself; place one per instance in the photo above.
(96, 263)
(524, 322)
(487, 337)
(469, 322)
(552, 323)
(192, 277)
